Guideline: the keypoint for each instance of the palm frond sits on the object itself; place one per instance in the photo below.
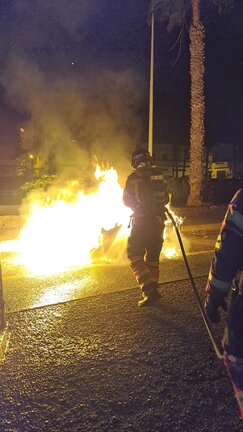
(175, 19)
(178, 43)
(224, 6)
(172, 12)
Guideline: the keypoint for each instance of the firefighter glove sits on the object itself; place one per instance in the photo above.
(212, 306)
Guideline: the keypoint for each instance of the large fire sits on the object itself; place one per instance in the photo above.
(59, 235)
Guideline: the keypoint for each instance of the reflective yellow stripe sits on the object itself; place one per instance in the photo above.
(235, 217)
(218, 242)
(157, 177)
(225, 286)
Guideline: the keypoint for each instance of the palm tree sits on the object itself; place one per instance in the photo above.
(174, 12)
(197, 132)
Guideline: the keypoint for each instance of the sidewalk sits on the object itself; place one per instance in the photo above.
(201, 226)
(102, 364)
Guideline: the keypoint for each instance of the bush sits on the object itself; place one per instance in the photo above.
(214, 191)
(43, 182)
(179, 188)
(220, 191)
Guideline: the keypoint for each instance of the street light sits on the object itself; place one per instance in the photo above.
(151, 85)
(154, 6)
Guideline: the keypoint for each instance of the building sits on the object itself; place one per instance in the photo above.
(223, 161)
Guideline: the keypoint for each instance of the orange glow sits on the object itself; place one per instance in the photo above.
(60, 235)
(171, 247)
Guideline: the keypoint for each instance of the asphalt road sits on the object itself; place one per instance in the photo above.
(102, 364)
(82, 356)
(25, 291)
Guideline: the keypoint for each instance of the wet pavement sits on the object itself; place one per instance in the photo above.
(24, 291)
(103, 364)
(95, 362)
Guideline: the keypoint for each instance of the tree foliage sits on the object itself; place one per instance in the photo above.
(224, 6)
(43, 182)
(174, 13)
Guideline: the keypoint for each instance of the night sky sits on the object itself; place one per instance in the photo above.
(75, 75)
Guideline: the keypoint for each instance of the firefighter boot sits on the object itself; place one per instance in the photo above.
(150, 295)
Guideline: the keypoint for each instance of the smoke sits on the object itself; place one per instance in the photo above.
(46, 21)
(73, 114)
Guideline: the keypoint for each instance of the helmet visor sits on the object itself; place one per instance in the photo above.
(140, 158)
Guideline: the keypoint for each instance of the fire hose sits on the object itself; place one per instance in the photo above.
(217, 350)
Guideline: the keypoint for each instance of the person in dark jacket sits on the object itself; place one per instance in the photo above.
(146, 194)
(226, 278)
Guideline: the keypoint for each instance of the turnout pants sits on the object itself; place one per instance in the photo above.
(143, 248)
(233, 337)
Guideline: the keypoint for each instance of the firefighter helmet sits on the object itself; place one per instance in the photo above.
(142, 157)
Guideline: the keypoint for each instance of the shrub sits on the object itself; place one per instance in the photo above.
(43, 182)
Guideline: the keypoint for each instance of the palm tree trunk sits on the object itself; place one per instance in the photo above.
(197, 132)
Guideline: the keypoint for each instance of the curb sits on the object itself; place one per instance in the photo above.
(200, 227)
(204, 210)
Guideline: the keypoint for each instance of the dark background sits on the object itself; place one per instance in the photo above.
(62, 41)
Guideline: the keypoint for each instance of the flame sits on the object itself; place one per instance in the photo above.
(170, 239)
(170, 252)
(60, 235)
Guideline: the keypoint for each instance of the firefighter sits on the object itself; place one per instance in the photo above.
(226, 277)
(146, 194)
